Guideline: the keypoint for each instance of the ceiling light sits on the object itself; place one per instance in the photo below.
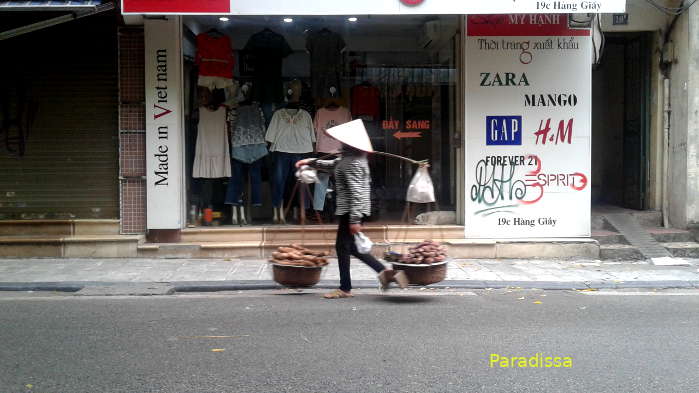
(223, 19)
(288, 20)
(352, 19)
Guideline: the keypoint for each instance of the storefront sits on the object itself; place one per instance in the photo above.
(499, 104)
(58, 111)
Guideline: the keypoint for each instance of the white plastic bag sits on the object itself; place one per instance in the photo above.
(421, 189)
(307, 175)
(363, 243)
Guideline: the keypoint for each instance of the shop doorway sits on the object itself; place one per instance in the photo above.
(397, 73)
(621, 123)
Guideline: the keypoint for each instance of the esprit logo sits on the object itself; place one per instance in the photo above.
(411, 2)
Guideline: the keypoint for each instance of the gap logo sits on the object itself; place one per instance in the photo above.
(503, 130)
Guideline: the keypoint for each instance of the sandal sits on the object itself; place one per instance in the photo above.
(385, 278)
(401, 279)
(337, 294)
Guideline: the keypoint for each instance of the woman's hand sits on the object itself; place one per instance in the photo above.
(355, 228)
(303, 162)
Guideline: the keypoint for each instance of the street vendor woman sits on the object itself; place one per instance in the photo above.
(353, 187)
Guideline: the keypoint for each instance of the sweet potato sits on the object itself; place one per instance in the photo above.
(282, 255)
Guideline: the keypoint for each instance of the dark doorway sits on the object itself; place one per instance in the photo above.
(620, 119)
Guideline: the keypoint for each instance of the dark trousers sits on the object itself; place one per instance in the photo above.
(283, 171)
(344, 246)
(237, 182)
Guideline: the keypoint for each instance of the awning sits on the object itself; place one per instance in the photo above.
(75, 5)
(67, 11)
(369, 7)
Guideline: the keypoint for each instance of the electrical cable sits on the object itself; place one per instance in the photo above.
(671, 10)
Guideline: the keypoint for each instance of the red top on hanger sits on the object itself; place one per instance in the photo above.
(214, 56)
(366, 101)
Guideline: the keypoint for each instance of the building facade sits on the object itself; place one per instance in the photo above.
(530, 117)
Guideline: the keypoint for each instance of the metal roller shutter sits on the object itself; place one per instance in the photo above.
(69, 165)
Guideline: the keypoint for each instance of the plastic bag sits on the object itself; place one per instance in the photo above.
(363, 243)
(307, 175)
(421, 189)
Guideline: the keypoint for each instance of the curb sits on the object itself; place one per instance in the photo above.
(218, 286)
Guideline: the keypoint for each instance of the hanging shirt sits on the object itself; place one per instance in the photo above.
(291, 131)
(325, 48)
(267, 49)
(214, 56)
(366, 101)
(328, 118)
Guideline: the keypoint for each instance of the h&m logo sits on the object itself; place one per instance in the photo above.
(503, 130)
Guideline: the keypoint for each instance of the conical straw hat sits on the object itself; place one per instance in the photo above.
(353, 134)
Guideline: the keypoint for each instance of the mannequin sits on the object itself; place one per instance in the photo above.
(247, 130)
(211, 155)
(331, 115)
(291, 137)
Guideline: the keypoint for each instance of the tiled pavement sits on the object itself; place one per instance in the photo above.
(637, 235)
(251, 271)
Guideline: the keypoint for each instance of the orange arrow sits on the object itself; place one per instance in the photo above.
(399, 135)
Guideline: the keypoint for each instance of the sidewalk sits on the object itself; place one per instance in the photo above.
(235, 274)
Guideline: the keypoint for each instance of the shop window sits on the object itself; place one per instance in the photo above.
(253, 79)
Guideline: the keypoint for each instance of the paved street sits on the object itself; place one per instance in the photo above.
(288, 341)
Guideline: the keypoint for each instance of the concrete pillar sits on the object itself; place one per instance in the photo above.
(693, 118)
(677, 154)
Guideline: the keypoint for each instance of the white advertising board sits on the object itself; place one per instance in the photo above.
(368, 7)
(528, 104)
(164, 132)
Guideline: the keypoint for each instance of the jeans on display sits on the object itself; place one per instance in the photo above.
(236, 184)
(319, 191)
(268, 110)
(284, 170)
(344, 246)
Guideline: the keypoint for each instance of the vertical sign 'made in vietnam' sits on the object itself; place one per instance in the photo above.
(528, 127)
(164, 133)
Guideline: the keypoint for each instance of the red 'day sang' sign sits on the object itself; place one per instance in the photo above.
(176, 6)
(522, 25)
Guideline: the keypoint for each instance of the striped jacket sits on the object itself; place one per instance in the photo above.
(352, 185)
